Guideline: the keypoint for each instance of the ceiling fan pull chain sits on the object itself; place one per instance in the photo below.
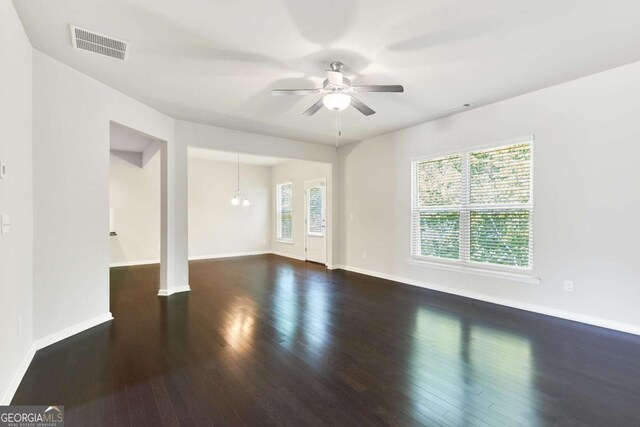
(338, 132)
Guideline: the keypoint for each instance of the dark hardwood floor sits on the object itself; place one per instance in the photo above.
(269, 340)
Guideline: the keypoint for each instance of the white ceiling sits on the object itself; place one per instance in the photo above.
(216, 61)
(227, 156)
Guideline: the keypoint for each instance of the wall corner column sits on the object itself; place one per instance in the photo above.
(174, 264)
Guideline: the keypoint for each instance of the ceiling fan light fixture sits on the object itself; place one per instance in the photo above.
(336, 101)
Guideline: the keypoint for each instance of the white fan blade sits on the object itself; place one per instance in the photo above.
(278, 92)
(314, 108)
(378, 88)
(361, 106)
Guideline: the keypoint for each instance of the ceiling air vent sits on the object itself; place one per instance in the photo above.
(99, 43)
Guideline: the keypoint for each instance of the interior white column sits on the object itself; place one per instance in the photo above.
(174, 267)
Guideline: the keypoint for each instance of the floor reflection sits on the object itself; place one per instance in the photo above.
(240, 322)
(285, 306)
(317, 319)
(458, 371)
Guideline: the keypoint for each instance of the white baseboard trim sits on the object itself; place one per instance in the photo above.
(191, 258)
(72, 330)
(17, 378)
(229, 255)
(45, 342)
(284, 254)
(132, 263)
(171, 291)
(562, 314)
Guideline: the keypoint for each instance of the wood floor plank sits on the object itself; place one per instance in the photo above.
(266, 340)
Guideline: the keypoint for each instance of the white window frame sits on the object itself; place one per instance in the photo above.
(279, 214)
(464, 264)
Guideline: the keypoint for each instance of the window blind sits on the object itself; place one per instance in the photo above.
(284, 211)
(475, 207)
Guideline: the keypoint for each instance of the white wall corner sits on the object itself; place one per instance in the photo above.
(17, 378)
(72, 330)
(45, 342)
(149, 152)
(284, 254)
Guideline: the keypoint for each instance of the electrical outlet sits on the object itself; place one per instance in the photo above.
(364, 254)
(568, 285)
(351, 216)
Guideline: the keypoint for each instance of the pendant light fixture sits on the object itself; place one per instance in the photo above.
(235, 201)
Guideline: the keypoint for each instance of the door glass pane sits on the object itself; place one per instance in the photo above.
(315, 218)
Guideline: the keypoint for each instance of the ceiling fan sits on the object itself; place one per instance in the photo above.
(338, 93)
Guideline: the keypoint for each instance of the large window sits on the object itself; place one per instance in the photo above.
(475, 208)
(284, 210)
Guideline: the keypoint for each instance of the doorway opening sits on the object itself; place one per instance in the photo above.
(135, 198)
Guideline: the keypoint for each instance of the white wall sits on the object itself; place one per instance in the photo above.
(71, 116)
(16, 199)
(216, 227)
(297, 172)
(586, 177)
(134, 196)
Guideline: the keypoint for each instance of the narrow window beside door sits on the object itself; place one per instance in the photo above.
(284, 212)
(475, 208)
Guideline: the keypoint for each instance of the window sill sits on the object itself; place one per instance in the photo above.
(516, 277)
(286, 242)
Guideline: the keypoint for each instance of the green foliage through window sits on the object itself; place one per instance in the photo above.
(440, 234)
(500, 237)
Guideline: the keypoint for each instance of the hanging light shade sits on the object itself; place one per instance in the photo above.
(336, 101)
(235, 201)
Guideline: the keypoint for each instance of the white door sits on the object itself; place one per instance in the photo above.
(315, 220)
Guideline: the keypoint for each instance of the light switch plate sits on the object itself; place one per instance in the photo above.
(3, 171)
